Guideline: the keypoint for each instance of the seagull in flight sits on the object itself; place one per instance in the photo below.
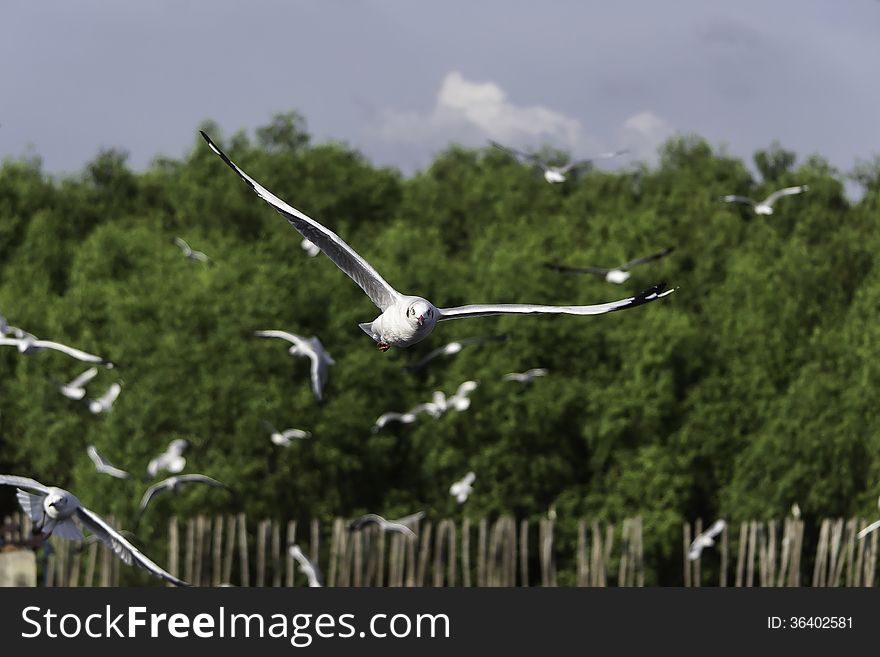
(765, 206)
(173, 485)
(283, 438)
(30, 344)
(311, 348)
(404, 418)
(405, 319)
(171, 459)
(6, 329)
(104, 466)
(526, 377)
(400, 526)
(618, 274)
(462, 488)
(104, 403)
(451, 349)
(53, 510)
(195, 256)
(76, 389)
(306, 566)
(706, 539)
(554, 174)
(460, 401)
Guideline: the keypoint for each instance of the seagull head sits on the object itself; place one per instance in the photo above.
(617, 276)
(59, 503)
(763, 208)
(421, 312)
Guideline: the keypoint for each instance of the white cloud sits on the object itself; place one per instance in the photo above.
(470, 112)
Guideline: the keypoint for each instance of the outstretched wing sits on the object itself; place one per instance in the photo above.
(650, 258)
(565, 269)
(601, 156)
(365, 521)
(787, 191)
(70, 351)
(121, 546)
(84, 378)
(346, 258)
(483, 310)
(23, 482)
(201, 479)
(513, 151)
(733, 198)
(183, 246)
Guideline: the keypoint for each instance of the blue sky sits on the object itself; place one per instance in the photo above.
(399, 80)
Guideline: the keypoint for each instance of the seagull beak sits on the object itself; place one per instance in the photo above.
(421, 319)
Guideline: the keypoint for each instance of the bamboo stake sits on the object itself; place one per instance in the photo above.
(741, 542)
(217, 552)
(466, 552)
(695, 564)
(90, 567)
(261, 554)
(229, 551)
(725, 556)
(425, 548)
(199, 554)
(821, 549)
(190, 550)
(291, 563)
(750, 564)
(481, 552)
(686, 540)
(276, 554)
(243, 551)
(524, 552)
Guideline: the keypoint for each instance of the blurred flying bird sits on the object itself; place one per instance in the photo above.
(706, 539)
(554, 174)
(312, 349)
(171, 459)
(53, 511)
(104, 403)
(283, 438)
(526, 377)
(618, 274)
(399, 526)
(309, 248)
(173, 485)
(406, 320)
(765, 206)
(195, 256)
(104, 466)
(451, 349)
(306, 566)
(76, 389)
(462, 488)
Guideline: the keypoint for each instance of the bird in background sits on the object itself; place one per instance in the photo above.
(104, 466)
(171, 460)
(309, 248)
(54, 511)
(766, 206)
(189, 253)
(76, 388)
(399, 526)
(526, 377)
(104, 403)
(284, 438)
(619, 274)
(451, 349)
(173, 485)
(306, 566)
(706, 539)
(406, 319)
(312, 349)
(462, 488)
(556, 174)
(460, 401)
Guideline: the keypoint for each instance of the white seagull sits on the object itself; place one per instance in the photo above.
(553, 174)
(171, 459)
(104, 466)
(312, 349)
(30, 344)
(283, 438)
(406, 320)
(195, 256)
(173, 485)
(53, 511)
(309, 248)
(526, 377)
(765, 206)
(306, 567)
(616, 275)
(391, 416)
(462, 488)
(460, 401)
(104, 403)
(76, 389)
(451, 349)
(400, 526)
(706, 539)
(6, 329)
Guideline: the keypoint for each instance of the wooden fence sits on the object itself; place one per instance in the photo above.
(230, 550)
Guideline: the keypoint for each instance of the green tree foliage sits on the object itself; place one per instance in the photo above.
(750, 388)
